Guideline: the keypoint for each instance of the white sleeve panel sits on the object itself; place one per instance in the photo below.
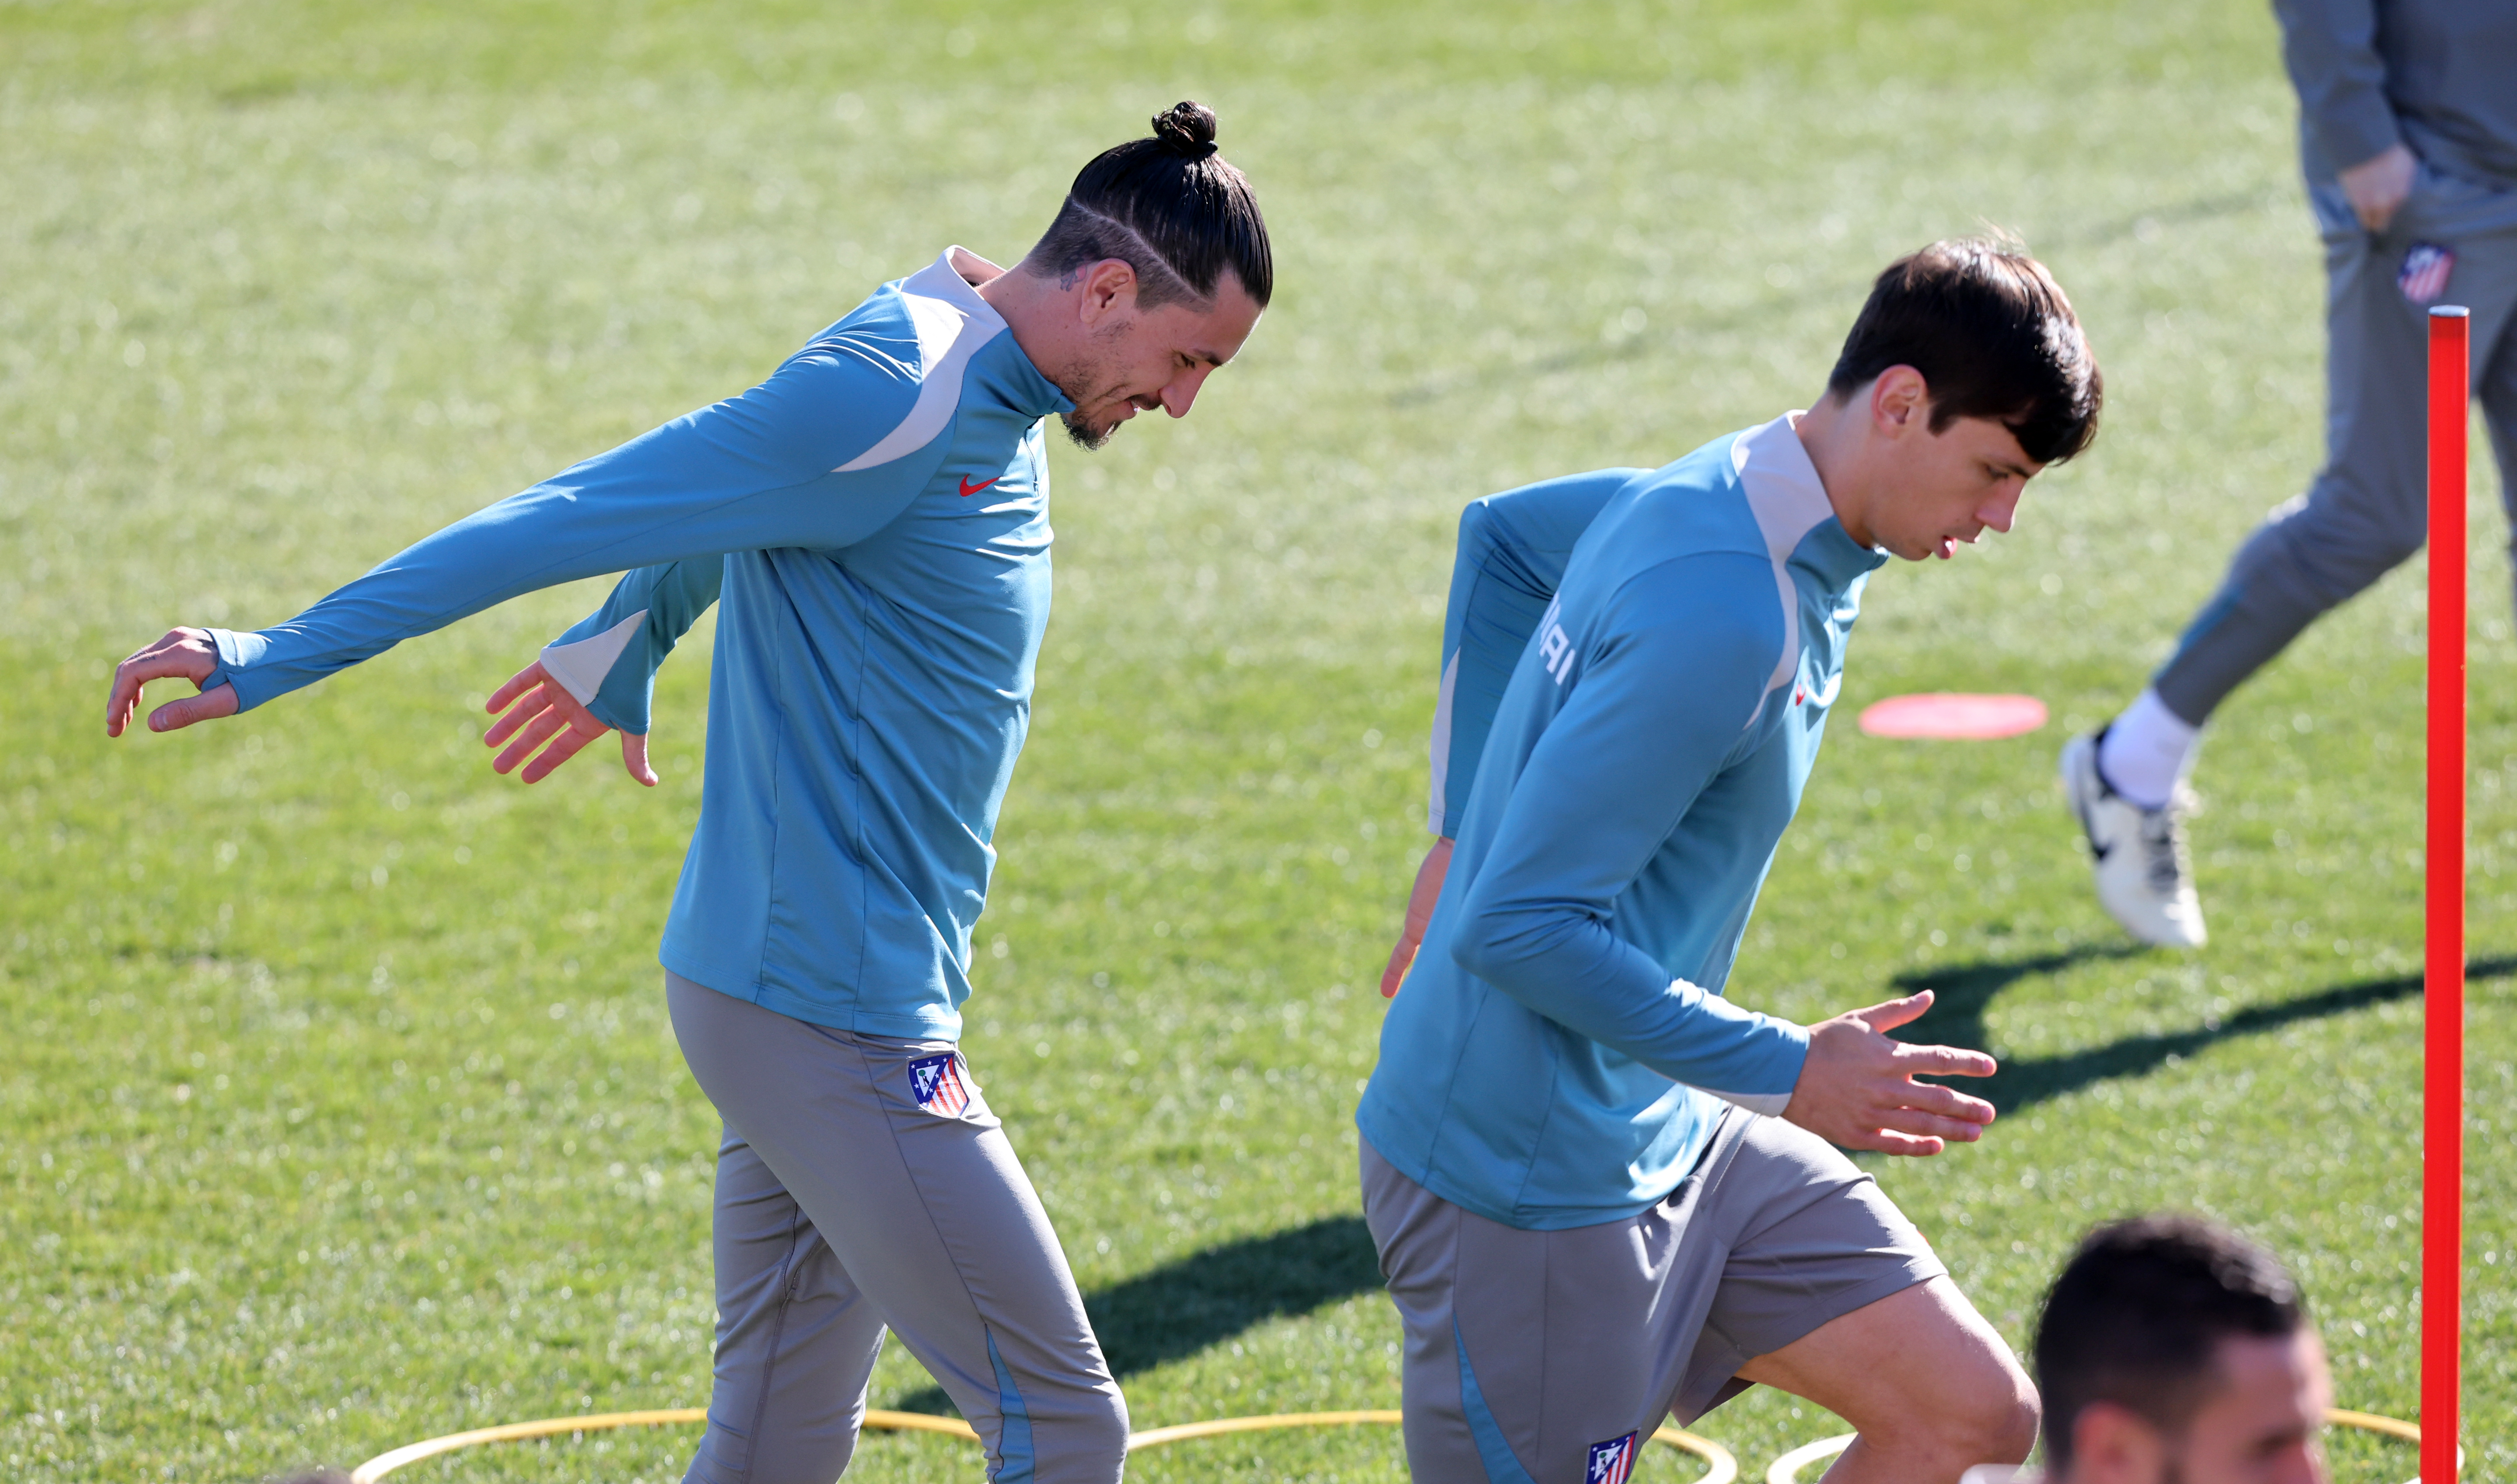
(580, 667)
(953, 323)
(1768, 1104)
(1783, 493)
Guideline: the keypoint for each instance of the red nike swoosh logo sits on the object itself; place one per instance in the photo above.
(968, 489)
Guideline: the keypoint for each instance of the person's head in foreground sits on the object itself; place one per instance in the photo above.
(2175, 1351)
(1965, 374)
(1157, 264)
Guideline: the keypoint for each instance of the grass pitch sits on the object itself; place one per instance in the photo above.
(339, 1107)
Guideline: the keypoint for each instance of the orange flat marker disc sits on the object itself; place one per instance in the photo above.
(1946, 716)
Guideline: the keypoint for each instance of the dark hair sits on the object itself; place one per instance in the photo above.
(1169, 207)
(2138, 1314)
(1992, 334)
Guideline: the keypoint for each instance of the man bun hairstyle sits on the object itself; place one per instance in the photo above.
(1187, 129)
(2137, 1317)
(1169, 207)
(1993, 337)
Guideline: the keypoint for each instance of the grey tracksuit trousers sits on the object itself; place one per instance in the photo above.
(2366, 510)
(863, 1185)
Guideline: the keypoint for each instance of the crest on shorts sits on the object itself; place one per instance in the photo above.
(935, 1084)
(1612, 1461)
(2427, 266)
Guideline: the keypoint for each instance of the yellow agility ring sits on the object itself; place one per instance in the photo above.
(1720, 1467)
(1787, 1468)
(384, 1463)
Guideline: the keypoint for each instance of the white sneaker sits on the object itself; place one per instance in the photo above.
(2145, 873)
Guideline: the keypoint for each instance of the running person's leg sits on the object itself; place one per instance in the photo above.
(1552, 1357)
(1929, 1388)
(1525, 1359)
(795, 1341)
(2365, 510)
(1928, 1385)
(2364, 513)
(2495, 378)
(930, 1217)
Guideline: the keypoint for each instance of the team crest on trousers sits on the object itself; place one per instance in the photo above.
(2425, 270)
(1612, 1461)
(935, 1084)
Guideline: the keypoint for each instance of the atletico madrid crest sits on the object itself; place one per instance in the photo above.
(935, 1083)
(1612, 1461)
(2427, 266)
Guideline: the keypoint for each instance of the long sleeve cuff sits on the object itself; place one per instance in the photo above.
(237, 651)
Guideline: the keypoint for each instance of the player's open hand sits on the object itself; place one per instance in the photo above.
(185, 654)
(539, 709)
(1857, 1087)
(1420, 898)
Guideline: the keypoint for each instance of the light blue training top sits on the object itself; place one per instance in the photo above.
(874, 517)
(1636, 670)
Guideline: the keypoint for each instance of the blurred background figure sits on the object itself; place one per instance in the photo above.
(2175, 1351)
(2408, 132)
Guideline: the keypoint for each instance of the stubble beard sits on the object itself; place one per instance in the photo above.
(1086, 436)
(1089, 381)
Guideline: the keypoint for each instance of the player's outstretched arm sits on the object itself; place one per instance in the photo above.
(1857, 1087)
(539, 710)
(1420, 898)
(186, 653)
(754, 473)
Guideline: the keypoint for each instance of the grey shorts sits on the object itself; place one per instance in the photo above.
(1532, 1356)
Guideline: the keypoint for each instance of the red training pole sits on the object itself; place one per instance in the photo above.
(2443, 1005)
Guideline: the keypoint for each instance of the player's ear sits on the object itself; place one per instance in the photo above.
(1109, 293)
(2111, 1441)
(1900, 398)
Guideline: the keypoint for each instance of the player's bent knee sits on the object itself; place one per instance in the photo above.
(1090, 1448)
(1986, 1414)
(1967, 1400)
(2005, 1429)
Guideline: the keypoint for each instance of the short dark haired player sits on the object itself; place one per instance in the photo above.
(1603, 1195)
(871, 523)
(2174, 1351)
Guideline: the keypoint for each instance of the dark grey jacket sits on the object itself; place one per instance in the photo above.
(2440, 76)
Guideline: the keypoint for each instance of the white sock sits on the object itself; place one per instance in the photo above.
(2147, 750)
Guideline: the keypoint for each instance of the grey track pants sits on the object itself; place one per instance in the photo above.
(863, 1185)
(2368, 509)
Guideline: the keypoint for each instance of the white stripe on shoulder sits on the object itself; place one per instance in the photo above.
(1442, 746)
(953, 323)
(580, 667)
(1783, 490)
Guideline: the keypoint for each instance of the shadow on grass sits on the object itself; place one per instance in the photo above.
(1966, 991)
(1202, 1300)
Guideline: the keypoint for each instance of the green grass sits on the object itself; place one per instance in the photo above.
(339, 1109)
